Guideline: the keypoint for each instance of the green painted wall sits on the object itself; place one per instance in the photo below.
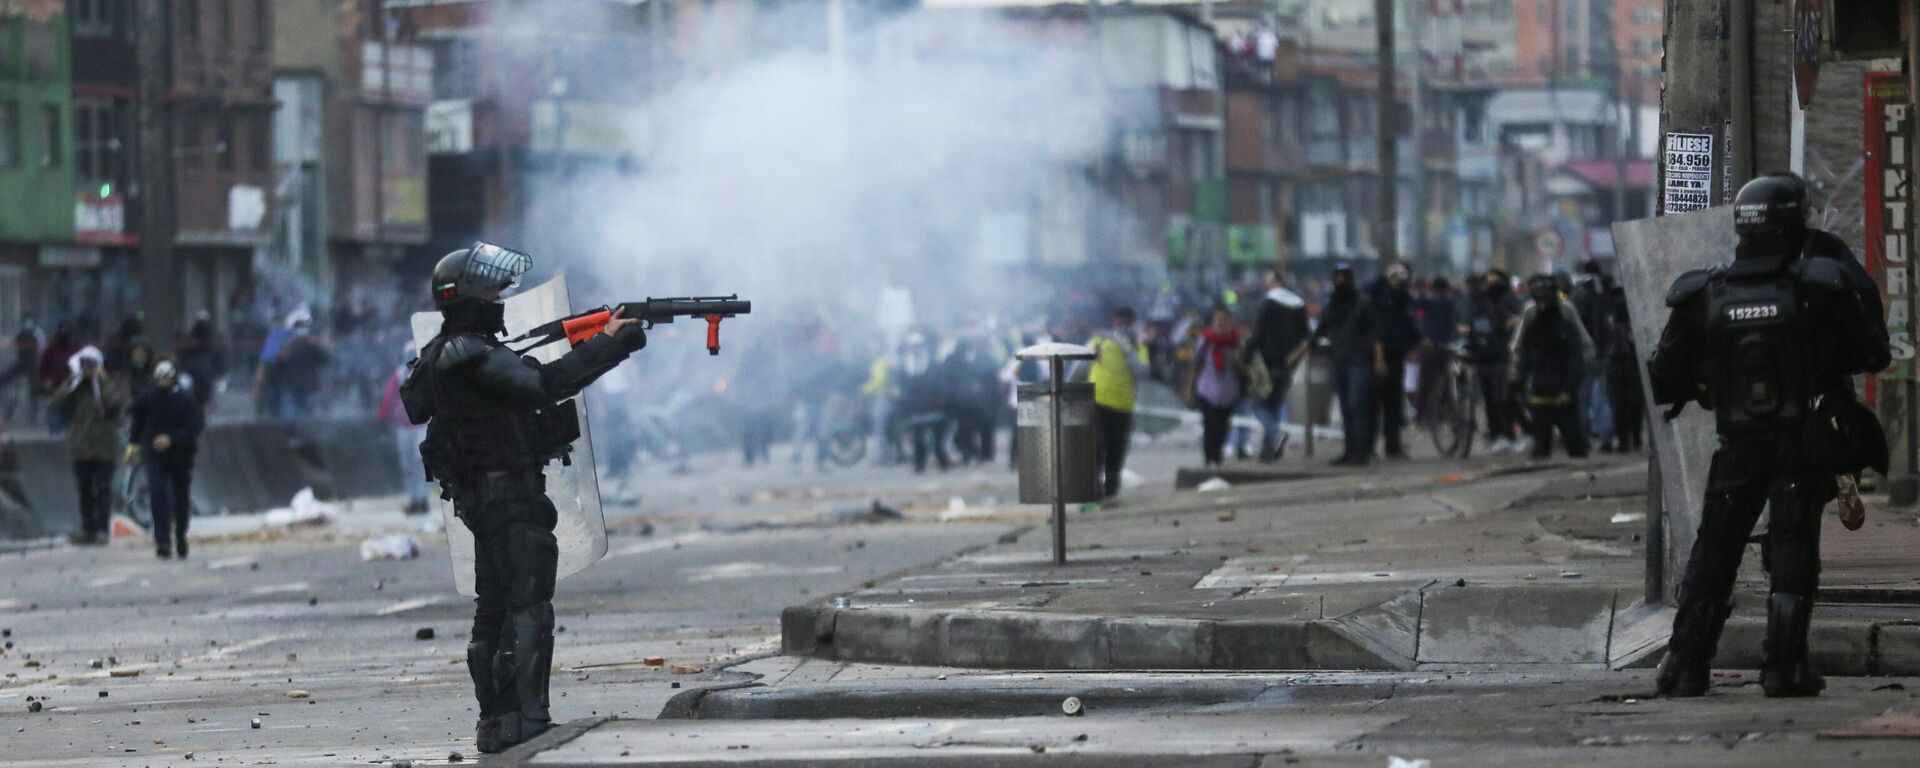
(36, 196)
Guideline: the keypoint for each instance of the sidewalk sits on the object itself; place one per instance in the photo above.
(1400, 566)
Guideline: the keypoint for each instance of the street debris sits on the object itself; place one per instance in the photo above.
(303, 511)
(1627, 517)
(256, 724)
(96, 663)
(654, 661)
(455, 757)
(297, 694)
(423, 633)
(1212, 484)
(687, 669)
(1072, 707)
(34, 706)
(1569, 574)
(124, 673)
(397, 546)
(1401, 762)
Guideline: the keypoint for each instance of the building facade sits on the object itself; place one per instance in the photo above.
(36, 154)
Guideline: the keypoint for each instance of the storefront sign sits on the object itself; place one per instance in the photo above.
(1688, 173)
(1889, 174)
(100, 219)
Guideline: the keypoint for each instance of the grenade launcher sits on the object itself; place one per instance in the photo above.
(580, 327)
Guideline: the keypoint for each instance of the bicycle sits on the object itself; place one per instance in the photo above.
(1450, 406)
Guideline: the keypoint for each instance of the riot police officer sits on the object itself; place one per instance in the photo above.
(1768, 343)
(494, 420)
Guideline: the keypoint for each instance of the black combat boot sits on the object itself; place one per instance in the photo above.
(486, 733)
(1688, 669)
(1787, 672)
(526, 665)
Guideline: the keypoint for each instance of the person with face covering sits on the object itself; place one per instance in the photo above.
(1349, 331)
(1392, 297)
(1551, 352)
(1216, 384)
(92, 401)
(166, 426)
(1491, 318)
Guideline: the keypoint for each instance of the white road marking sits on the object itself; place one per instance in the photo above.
(107, 581)
(278, 589)
(657, 545)
(730, 571)
(231, 562)
(412, 605)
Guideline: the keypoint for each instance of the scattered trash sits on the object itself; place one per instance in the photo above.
(1229, 517)
(297, 694)
(32, 663)
(687, 669)
(303, 511)
(397, 546)
(403, 764)
(1212, 484)
(125, 673)
(256, 723)
(1071, 706)
(1401, 762)
(675, 685)
(843, 602)
(1459, 582)
(957, 509)
(188, 756)
(1449, 480)
(654, 661)
(1038, 749)
(456, 757)
(33, 706)
(1130, 480)
(1627, 517)
(1891, 687)
(1569, 574)
(1081, 737)
(103, 694)
(423, 633)
(96, 664)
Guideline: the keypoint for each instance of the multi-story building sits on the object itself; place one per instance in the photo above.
(36, 157)
(219, 108)
(350, 149)
(100, 273)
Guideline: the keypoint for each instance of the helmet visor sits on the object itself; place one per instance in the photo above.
(493, 268)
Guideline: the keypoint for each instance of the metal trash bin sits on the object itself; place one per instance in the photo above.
(1079, 444)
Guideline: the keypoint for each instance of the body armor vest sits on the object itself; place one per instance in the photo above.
(469, 436)
(1759, 359)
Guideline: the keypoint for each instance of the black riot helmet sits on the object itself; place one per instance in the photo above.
(1774, 205)
(479, 273)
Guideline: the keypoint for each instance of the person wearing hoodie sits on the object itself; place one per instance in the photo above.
(92, 402)
(1349, 330)
(167, 420)
(1550, 355)
(1279, 332)
(1392, 296)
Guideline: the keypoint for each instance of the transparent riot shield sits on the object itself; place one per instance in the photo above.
(1652, 252)
(582, 528)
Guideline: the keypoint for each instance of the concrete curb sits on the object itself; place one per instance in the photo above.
(554, 738)
(1383, 638)
(994, 697)
(1026, 640)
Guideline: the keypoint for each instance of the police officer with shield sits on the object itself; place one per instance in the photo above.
(494, 420)
(1768, 343)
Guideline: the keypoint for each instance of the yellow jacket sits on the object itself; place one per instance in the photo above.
(878, 383)
(1115, 364)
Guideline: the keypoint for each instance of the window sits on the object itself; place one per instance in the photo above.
(260, 140)
(51, 135)
(9, 134)
(96, 18)
(223, 142)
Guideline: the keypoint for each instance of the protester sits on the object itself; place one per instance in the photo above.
(1280, 331)
(1392, 298)
(1349, 329)
(1490, 322)
(971, 400)
(880, 390)
(1216, 384)
(17, 388)
(167, 420)
(1590, 301)
(406, 439)
(301, 362)
(92, 403)
(202, 360)
(52, 371)
(1550, 352)
(923, 404)
(1438, 313)
(1623, 380)
(1119, 362)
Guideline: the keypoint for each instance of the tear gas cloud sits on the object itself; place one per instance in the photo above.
(937, 157)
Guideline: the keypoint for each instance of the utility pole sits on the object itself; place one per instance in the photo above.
(1417, 24)
(160, 283)
(1387, 224)
(1695, 98)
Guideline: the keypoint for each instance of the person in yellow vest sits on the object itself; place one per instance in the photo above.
(1119, 361)
(880, 391)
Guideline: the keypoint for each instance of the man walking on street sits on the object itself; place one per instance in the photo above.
(1278, 333)
(1392, 298)
(1119, 362)
(1550, 354)
(1349, 330)
(1494, 313)
(1591, 301)
(167, 420)
(91, 404)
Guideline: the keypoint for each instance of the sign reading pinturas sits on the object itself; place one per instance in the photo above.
(1687, 173)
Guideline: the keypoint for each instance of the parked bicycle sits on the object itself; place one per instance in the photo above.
(1451, 404)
